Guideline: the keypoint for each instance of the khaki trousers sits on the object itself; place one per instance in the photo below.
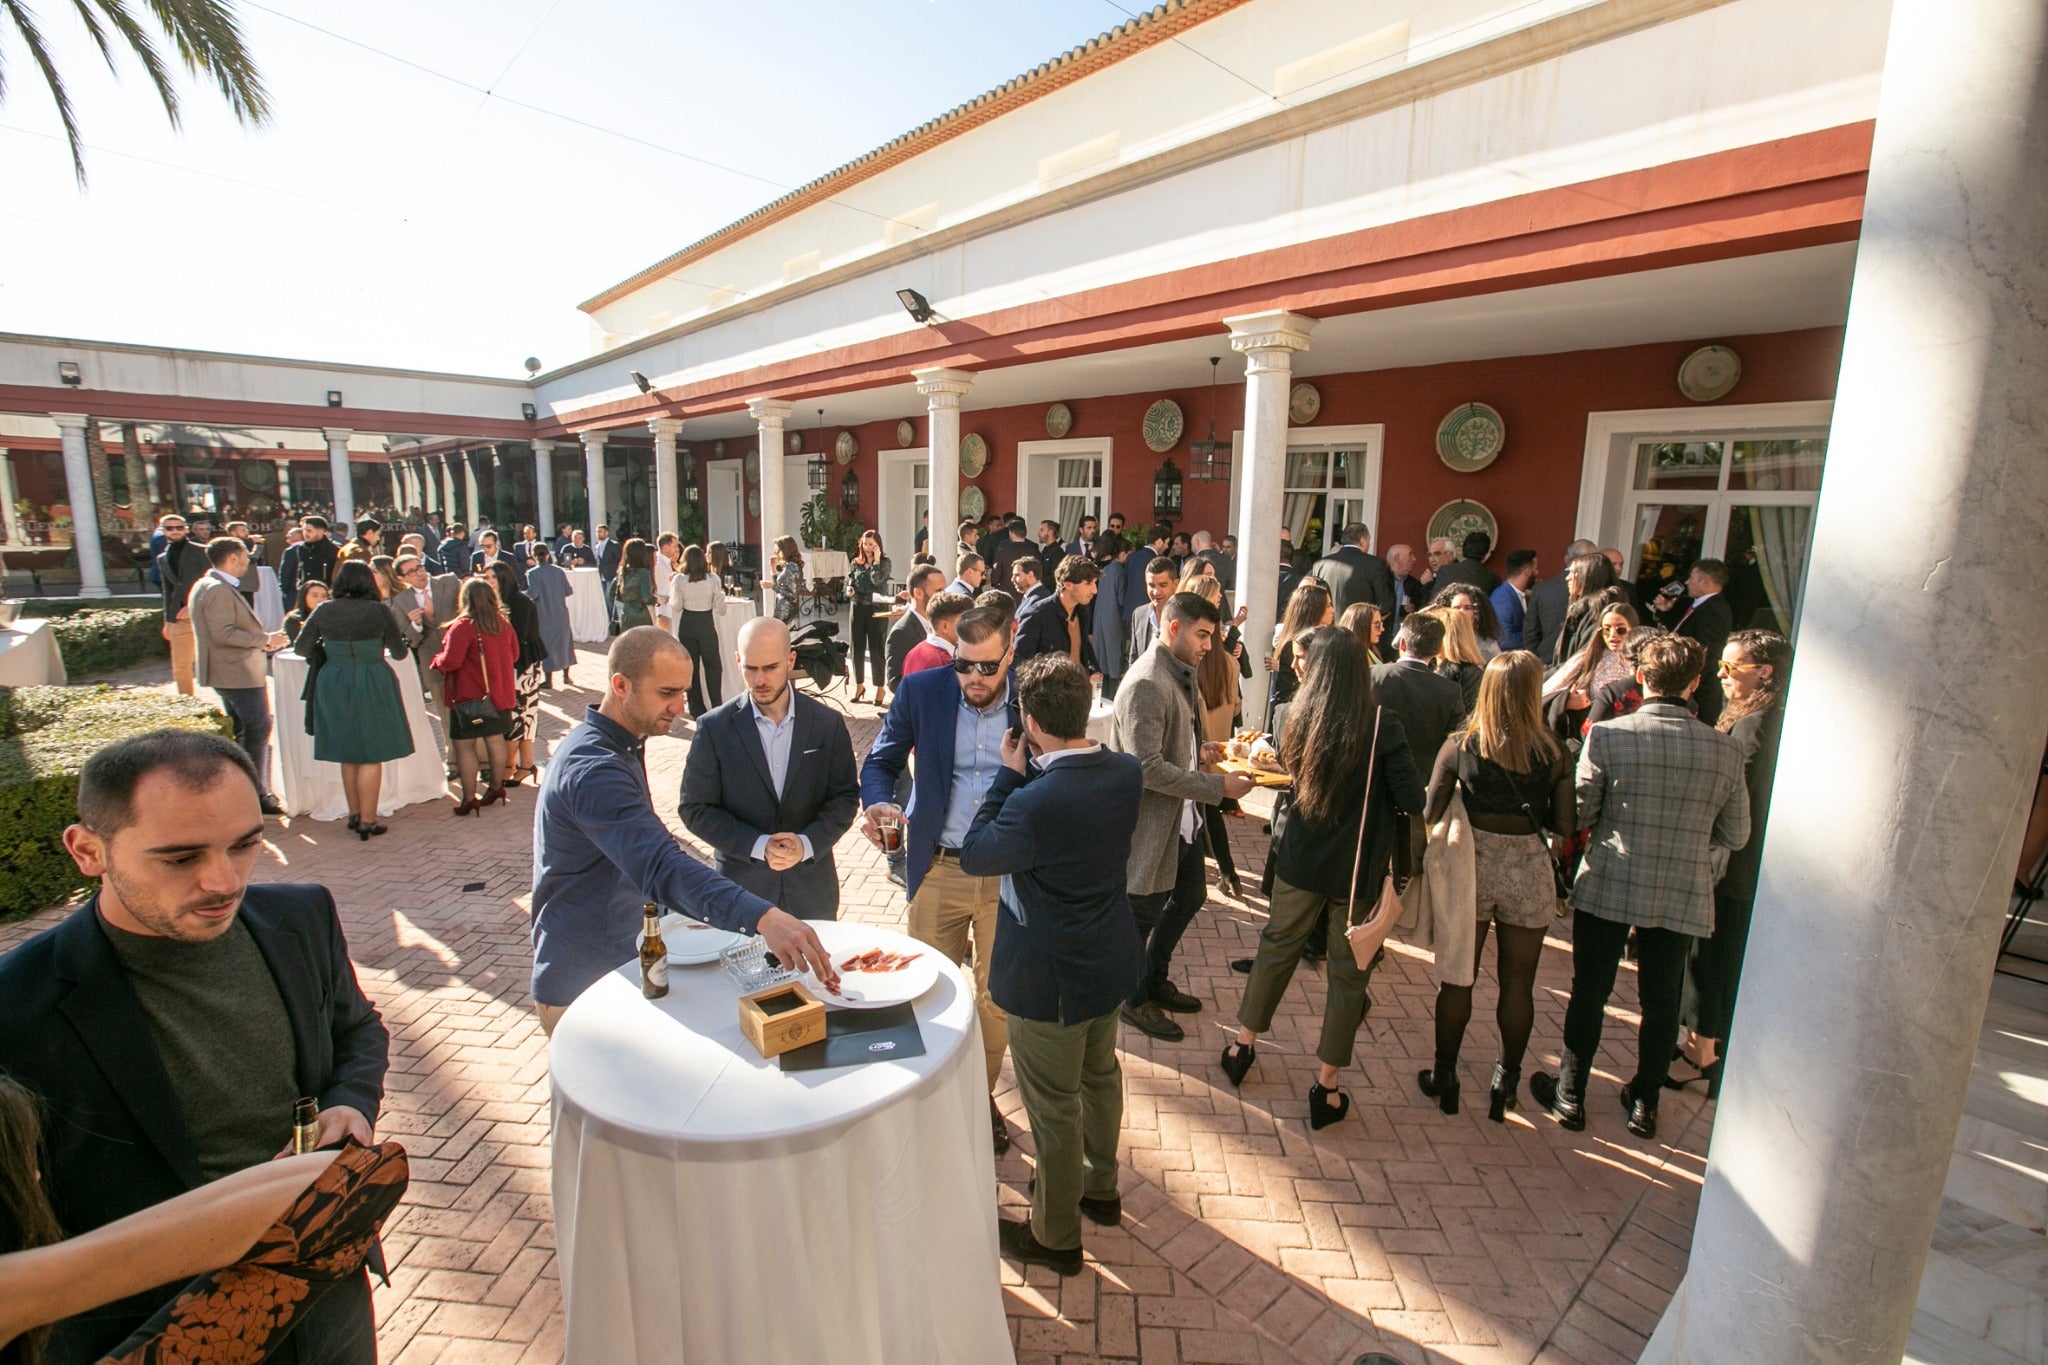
(1073, 1092)
(183, 652)
(550, 1015)
(950, 905)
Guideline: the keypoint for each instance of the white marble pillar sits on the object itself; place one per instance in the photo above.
(284, 486)
(665, 430)
(344, 485)
(10, 520)
(593, 479)
(943, 390)
(156, 487)
(544, 488)
(1268, 342)
(769, 414)
(471, 495)
(449, 505)
(85, 518)
(1901, 797)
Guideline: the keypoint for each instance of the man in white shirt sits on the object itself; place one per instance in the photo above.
(1160, 580)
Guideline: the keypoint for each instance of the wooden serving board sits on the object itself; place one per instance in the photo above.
(1258, 775)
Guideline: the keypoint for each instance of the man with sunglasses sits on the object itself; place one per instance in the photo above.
(955, 720)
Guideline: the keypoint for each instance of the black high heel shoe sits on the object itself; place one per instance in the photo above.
(1237, 1060)
(1322, 1110)
(1501, 1094)
(355, 824)
(1440, 1085)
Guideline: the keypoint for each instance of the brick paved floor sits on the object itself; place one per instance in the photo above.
(1244, 1237)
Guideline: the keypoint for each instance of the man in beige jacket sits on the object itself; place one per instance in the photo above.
(232, 650)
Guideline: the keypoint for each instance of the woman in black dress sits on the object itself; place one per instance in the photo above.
(1586, 576)
(872, 599)
(354, 710)
(532, 674)
(312, 593)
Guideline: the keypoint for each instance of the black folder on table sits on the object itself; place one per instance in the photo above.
(857, 1037)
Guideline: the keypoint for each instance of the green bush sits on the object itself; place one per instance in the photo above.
(53, 607)
(102, 641)
(46, 735)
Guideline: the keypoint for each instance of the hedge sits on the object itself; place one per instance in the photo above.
(54, 607)
(46, 735)
(103, 641)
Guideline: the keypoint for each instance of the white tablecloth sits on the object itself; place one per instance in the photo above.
(738, 611)
(269, 599)
(825, 563)
(1101, 720)
(29, 656)
(305, 786)
(589, 621)
(710, 1207)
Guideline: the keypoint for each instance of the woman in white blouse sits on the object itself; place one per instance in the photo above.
(695, 602)
(668, 558)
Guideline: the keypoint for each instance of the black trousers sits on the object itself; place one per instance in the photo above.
(698, 631)
(1163, 916)
(870, 648)
(1660, 979)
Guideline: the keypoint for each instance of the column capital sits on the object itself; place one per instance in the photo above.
(543, 448)
(592, 440)
(70, 421)
(334, 434)
(942, 387)
(769, 412)
(1277, 330)
(665, 428)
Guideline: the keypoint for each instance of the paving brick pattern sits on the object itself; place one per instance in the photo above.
(1245, 1238)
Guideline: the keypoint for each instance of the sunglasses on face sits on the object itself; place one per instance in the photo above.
(1618, 628)
(987, 668)
(1728, 670)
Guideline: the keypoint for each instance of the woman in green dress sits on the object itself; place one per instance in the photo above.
(634, 589)
(353, 708)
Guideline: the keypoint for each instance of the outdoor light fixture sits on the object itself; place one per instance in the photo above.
(646, 385)
(815, 471)
(526, 410)
(68, 375)
(533, 364)
(334, 398)
(1166, 490)
(915, 304)
(690, 494)
(1208, 461)
(849, 493)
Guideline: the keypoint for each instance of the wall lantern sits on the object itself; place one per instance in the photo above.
(690, 493)
(816, 471)
(645, 384)
(68, 375)
(527, 411)
(1166, 490)
(334, 398)
(915, 304)
(849, 493)
(1207, 461)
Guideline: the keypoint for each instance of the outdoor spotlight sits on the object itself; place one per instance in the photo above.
(915, 304)
(533, 364)
(68, 375)
(334, 398)
(646, 385)
(526, 410)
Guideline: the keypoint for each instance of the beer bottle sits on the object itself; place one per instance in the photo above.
(653, 955)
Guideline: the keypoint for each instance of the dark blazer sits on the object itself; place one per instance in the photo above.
(1320, 855)
(921, 718)
(729, 800)
(1355, 576)
(454, 553)
(904, 636)
(180, 566)
(72, 1030)
(1143, 634)
(1007, 552)
(1544, 619)
(1429, 704)
(1758, 734)
(1711, 623)
(1465, 571)
(608, 559)
(576, 557)
(518, 567)
(1042, 629)
(1039, 592)
(1067, 947)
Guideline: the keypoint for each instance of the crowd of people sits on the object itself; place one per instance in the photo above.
(1467, 756)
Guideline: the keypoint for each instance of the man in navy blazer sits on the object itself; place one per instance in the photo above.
(1067, 953)
(770, 782)
(170, 1022)
(955, 720)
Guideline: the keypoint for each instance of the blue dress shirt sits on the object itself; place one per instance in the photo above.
(600, 853)
(775, 740)
(977, 758)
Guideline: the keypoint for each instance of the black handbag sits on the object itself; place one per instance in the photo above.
(478, 718)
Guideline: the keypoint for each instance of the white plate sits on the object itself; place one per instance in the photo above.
(873, 990)
(692, 941)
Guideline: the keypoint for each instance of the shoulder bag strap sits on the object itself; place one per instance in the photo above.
(483, 662)
(1365, 809)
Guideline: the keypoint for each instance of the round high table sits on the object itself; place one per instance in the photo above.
(711, 1207)
(269, 603)
(306, 786)
(29, 656)
(738, 611)
(590, 621)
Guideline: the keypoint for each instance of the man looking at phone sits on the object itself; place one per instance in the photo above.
(954, 719)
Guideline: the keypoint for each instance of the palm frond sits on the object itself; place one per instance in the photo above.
(98, 32)
(145, 52)
(209, 41)
(24, 20)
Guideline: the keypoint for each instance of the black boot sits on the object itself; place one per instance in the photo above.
(1440, 1083)
(1506, 1080)
(1564, 1094)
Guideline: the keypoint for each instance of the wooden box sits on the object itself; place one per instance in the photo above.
(781, 1018)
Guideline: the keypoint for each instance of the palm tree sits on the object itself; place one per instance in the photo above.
(204, 32)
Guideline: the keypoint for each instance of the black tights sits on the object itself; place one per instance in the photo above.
(1515, 958)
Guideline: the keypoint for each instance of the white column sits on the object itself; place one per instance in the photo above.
(344, 486)
(449, 506)
(85, 518)
(470, 494)
(593, 479)
(156, 495)
(769, 415)
(544, 488)
(665, 430)
(1901, 797)
(943, 390)
(1268, 342)
(10, 521)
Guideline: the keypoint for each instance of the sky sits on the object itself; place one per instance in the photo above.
(391, 215)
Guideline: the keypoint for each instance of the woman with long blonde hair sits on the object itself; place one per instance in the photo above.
(1460, 660)
(1516, 781)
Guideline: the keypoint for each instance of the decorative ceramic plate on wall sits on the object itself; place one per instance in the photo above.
(753, 502)
(1303, 403)
(753, 466)
(1059, 420)
(1164, 425)
(1460, 517)
(1709, 373)
(972, 503)
(905, 433)
(1470, 437)
(256, 474)
(844, 449)
(973, 457)
(796, 443)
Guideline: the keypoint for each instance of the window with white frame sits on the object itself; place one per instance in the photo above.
(1079, 492)
(1326, 491)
